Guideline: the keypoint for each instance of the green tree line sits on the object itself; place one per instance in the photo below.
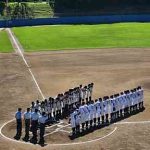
(16, 10)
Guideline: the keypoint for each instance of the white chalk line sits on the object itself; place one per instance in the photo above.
(65, 131)
(54, 125)
(136, 122)
(89, 141)
(21, 54)
(60, 129)
(65, 144)
(56, 130)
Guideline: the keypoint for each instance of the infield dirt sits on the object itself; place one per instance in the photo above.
(112, 70)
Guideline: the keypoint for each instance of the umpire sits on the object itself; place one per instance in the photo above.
(27, 119)
(34, 125)
(42, 121)
(18, 117)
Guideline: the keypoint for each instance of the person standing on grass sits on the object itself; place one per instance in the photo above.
(27, 119)
(18, 117)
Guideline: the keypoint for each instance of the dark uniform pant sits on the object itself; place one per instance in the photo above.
(42, 132)
(19, 127)
(27, 128)
(34, 127)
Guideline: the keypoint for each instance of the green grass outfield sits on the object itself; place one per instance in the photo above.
(120, 35)
(5, 45)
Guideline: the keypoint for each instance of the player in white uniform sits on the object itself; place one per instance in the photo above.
(83, 115)
(106, 109)
(87, 113)
(131, 101)
(94, 113)
(58, 107)
(91, 113)
(80, 94)
(73, 122)
(77, 121)
(126, 104)
(113, 109)
(121, 105)
(90, 90)
(49, 108)
(38, 105)
(98, 110)
(136, 101)
(141, 98)
(32, 107)
(117, 104)
(77, 95)
(84, 92)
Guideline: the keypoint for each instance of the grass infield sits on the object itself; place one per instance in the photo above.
(5, 45)
(120, 35)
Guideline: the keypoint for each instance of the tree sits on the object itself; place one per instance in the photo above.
(2, 8)
(22, 11)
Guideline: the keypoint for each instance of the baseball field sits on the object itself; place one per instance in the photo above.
(115, 57)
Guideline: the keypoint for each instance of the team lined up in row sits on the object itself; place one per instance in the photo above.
(48, 111)
(60, 106)
(106, 110)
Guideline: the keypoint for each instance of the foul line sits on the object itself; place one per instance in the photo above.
(65, 131)
(90, 141)
(21, 54)
(136, 122)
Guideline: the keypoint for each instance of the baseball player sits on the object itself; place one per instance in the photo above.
(32, 107)
(73, 122)
(90, 89)
(121, 105)
(91, 113)
(107, 109)
(37, 105)
(86, 110)
(77, 122)
(82, 115)
(49, 108)
(54, 107)
(80, 93)
(113, 108)
(117, 104)
(94, 113)
(98, 110)
(141, 103)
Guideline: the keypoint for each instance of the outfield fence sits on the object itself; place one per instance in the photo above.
(75, 20)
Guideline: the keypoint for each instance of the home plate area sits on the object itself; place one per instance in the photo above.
(61, 134)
